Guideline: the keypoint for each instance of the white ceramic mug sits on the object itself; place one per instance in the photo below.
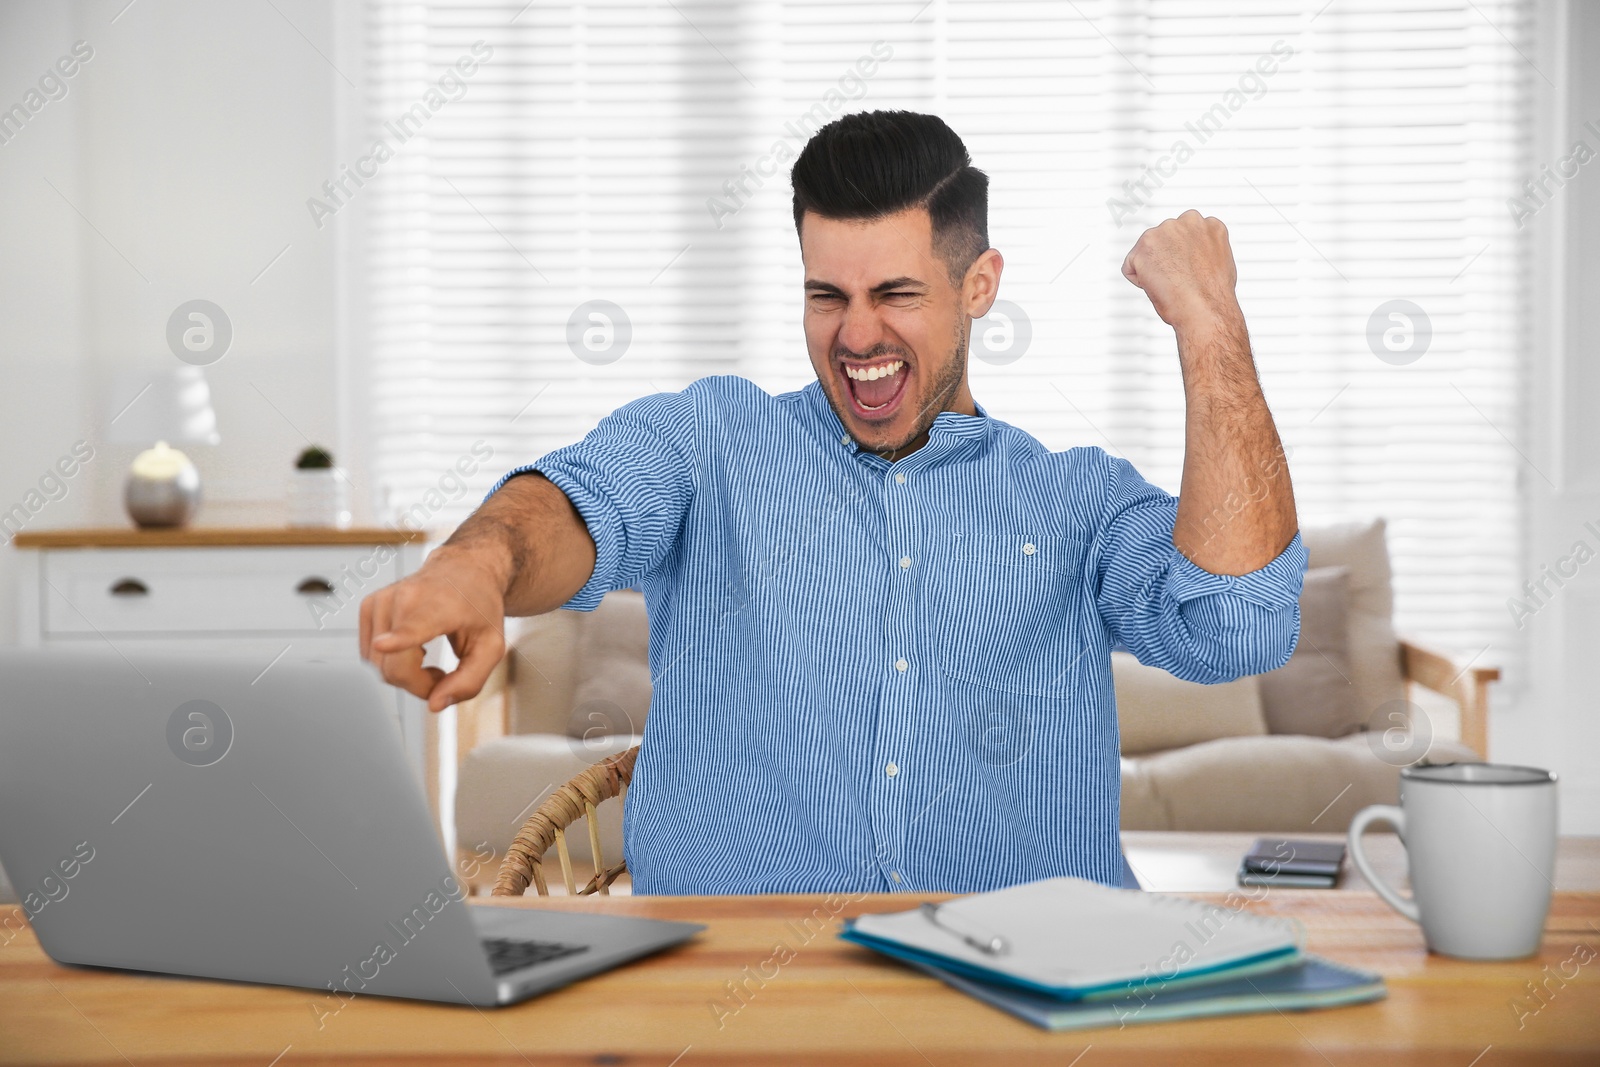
(1480, 840)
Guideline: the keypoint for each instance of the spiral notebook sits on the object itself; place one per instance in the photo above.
(1071, 939)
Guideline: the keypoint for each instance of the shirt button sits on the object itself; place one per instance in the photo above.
(895, 876)
(905, 562)
(891, 769)
(1028, 549)
(845, 439)
(900, 477)
(901, 665)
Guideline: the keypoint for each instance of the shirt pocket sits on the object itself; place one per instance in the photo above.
(1011, 610)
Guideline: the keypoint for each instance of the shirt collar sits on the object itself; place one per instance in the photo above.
(952, 433)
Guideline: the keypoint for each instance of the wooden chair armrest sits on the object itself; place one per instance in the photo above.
(1464, 683)
(547, 825)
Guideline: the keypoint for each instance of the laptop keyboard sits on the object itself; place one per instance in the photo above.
(506, 955)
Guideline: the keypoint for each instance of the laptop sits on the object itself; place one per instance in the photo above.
(196, 815)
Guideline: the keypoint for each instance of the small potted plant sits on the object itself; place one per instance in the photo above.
(318, 494)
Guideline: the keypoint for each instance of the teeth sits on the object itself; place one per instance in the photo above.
(872, 374)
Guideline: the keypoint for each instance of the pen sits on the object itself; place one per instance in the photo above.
(994, 946)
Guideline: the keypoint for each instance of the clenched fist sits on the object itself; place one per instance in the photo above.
(1185, 266)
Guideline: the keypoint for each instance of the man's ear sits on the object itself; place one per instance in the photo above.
(982, 283)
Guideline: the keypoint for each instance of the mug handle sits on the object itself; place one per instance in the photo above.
(1395, 817)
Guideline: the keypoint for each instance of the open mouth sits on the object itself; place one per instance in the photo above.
(876, 389)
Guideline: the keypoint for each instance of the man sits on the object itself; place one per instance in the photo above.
(880, 620)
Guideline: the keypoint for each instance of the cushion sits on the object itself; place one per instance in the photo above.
(1263, 784)
(1373, 647)
(1270, 784)
(1312, 694)
(1157, 711)
(611, 691)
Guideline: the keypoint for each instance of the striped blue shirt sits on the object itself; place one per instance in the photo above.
(877, 676)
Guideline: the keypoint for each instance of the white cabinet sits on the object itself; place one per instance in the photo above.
(294, 590)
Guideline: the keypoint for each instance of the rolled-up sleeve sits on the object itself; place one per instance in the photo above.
(1172, 613)
(632, 479)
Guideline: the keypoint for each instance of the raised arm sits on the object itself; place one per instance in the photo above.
(1236, 505)
(1207, 585)
(525, 551)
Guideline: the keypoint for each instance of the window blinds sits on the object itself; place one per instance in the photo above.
(600, 209)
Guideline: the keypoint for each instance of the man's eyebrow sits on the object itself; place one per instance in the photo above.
(903, 282)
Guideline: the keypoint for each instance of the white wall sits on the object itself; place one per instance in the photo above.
(189, 142)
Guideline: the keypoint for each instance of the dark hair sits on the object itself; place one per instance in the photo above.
(874, 163)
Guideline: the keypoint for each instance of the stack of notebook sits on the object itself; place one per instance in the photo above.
(1065, 953)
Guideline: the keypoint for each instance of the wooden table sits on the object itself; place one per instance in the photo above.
(730, 998)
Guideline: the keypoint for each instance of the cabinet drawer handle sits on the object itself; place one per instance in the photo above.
(314, 587)
(130, 587)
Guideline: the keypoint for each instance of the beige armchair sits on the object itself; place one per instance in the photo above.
(1305, 747)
